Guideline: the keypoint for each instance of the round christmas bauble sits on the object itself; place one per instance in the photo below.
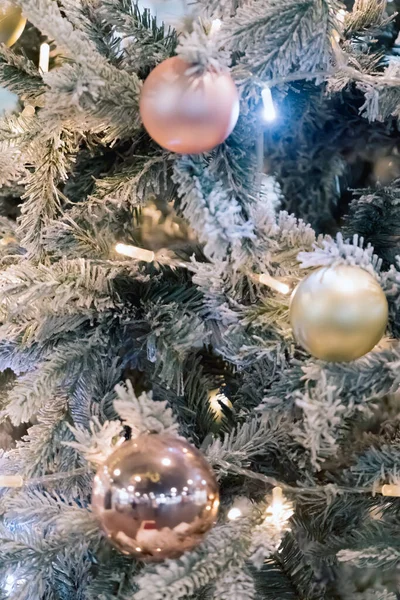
(188, 113)
(156, 497)
(12, 23)
(338, 313)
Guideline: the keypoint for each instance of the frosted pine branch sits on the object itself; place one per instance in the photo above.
(226, 547)
(268, 33)
(98, 442)
(235, 584)
(330, 252)
(202, 49)
(143, 414)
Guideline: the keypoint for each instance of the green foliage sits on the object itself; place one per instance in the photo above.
(102, 346)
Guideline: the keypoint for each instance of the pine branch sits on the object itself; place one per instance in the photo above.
(21, 76)
(43, 198)
(145, 43)
(108, 96)
(268, 34)
(226, 548)
(142, 414)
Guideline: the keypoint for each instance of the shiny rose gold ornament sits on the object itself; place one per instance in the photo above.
(338, 313)
(156, 497)
(12, 23)
(188, 113)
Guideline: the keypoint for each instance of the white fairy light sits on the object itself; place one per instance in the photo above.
(149, 256)
(215, 399)
(44, 57)
(273, 283)
(279, 511)
(11, 481)
(234, 513)
(9, 584)
(269, 111)
(215, 26)
(135, 252)
(391, 489)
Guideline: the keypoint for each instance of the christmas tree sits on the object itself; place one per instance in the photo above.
(199, 248)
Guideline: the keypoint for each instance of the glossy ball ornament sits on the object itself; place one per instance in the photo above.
(188, 113)
(12, 23)
(338, 313)
(156, 497)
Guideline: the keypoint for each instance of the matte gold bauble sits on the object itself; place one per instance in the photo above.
(338, 313)
(156, 497)
(188, 113)
(12, 23)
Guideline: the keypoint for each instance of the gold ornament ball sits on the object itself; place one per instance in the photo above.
(338, 313)
(12, 23)
(156, 497)
(188, 113)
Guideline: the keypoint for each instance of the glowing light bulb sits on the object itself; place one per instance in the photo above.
(215, 399)
(134, 252)
(234, 513)
(44, 57)
(117, 472)
(215, 26)
(269, 112)
(166, 462)
(273, 283)
(280, 511)
(391, 490)
(9, 584)
(138, 478)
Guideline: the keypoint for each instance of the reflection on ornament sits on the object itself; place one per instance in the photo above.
(12, 23)
(186, 112)
(338, 313)
(162, 515)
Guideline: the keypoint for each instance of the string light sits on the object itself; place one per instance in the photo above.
(275, 284)
(391, 489)
(44, 57)
(216, 399)
(279, 511)
(215, 26)
(269, 111)
(234, 513)
(149, 256)
(11, 481)
(135, 252)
